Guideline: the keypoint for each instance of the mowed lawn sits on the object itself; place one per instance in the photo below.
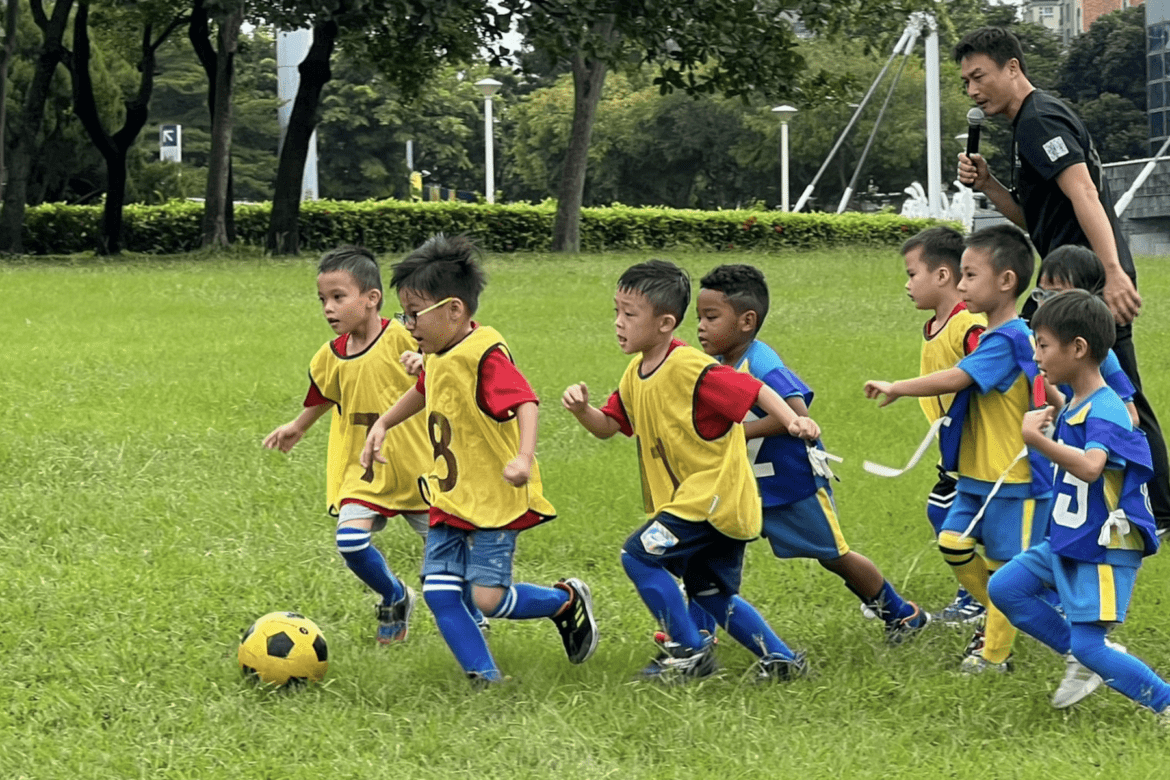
(144, 527)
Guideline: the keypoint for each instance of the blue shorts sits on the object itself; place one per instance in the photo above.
(1089, 592)
(704, 558)
(1007, 528)
(806, 528)
(482, 557)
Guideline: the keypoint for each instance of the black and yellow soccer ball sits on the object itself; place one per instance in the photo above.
(282, 648)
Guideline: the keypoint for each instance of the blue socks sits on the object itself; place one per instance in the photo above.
(745, 624)
(524, 601)
(888, 604)
(1121, 671)
(364, 560)
(662, 596)
(444, 596)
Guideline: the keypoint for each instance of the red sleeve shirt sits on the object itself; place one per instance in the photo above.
(501, 386)
(724, 397)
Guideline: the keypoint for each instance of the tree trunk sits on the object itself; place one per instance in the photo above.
(219, 165)
(27, 126)
(113, 148)
(10, 19)
(283, 233)
(199, 33)
(588, 79)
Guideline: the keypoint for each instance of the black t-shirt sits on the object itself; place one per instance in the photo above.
(1048, 138)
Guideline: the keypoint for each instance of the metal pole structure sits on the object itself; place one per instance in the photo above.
(808, 191)
(489, 87)
(784, 113)
(291, 48)
(933, 117)
(1124, 201)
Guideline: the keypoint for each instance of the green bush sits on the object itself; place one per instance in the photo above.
(394, 226)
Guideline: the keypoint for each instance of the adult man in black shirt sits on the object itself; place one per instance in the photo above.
(1060, 197)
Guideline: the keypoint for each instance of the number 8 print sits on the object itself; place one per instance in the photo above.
(439, 429)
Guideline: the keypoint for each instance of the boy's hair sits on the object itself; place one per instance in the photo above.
(1075, 313)
(941, 246)
(443, 267)
(1076, 266)
(744, 286)
(665, 285)
(358, 262)
(995, 42)
(1009, 250)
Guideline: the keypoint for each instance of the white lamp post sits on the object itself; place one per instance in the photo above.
(488, 87)
(784, 113)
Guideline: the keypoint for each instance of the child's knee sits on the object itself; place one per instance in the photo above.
(955, 549)
(486, 598)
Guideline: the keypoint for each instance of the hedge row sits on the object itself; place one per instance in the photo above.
(387, 226)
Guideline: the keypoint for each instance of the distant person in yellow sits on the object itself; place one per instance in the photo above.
(357, 375)
(686, 413)
(1003, 492)
(483, 483)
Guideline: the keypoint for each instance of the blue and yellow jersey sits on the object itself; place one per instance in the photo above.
(361, 387)
(687, 470)
(1112, 513)
(957, 338)
(471, 445)
(985, 435)
(1114, 376)
(780, 463)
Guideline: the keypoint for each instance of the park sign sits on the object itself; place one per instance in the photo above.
(170, 143)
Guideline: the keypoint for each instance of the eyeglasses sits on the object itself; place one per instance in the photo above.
(1039, 295)
(411, 319)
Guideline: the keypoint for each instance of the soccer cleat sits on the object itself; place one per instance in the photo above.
(866, 612)
(781, 669)
(975, 645)
(964, 609)
(1079, 681)
(575, 621)
(485, 626)
(977, 664)
(678, 664)
(394, 619)
(899, 632)
(481, 681)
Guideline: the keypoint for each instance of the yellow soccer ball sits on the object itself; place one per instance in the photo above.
(282, 648)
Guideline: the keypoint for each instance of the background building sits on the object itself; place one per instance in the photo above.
(1070, 18)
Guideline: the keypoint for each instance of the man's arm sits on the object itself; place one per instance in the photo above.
(1077, 185)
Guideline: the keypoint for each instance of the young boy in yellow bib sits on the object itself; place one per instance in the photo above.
(685, 412)
(483, 483)
(357, 375)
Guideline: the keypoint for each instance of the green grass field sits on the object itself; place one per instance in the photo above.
(144, 527)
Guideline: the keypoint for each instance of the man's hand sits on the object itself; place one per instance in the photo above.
(973, 171)
(1122, 297)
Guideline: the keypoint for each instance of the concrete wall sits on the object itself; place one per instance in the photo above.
(1146, 222)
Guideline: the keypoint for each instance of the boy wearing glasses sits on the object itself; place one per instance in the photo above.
(356, 375)
(483, 484)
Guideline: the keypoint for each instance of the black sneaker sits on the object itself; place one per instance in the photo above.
(684, 664)
(575, 621)
(777, 667)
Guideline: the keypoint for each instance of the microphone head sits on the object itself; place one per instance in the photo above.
(975, 117)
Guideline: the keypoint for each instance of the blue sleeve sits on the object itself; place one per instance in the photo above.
(992, 366)
(1101, 426)
(786, 384)
(1116, 378)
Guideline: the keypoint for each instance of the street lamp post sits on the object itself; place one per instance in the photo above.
(489, 87)
(784, 113)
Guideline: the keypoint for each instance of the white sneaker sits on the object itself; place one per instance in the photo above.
(1079, 681)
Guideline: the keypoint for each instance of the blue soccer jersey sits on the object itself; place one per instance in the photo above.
(780, 462)
(1112, 513)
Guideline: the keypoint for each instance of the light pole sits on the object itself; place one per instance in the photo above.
(488, 87)
(784, 113)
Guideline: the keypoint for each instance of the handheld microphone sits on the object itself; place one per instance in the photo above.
(974, 125)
